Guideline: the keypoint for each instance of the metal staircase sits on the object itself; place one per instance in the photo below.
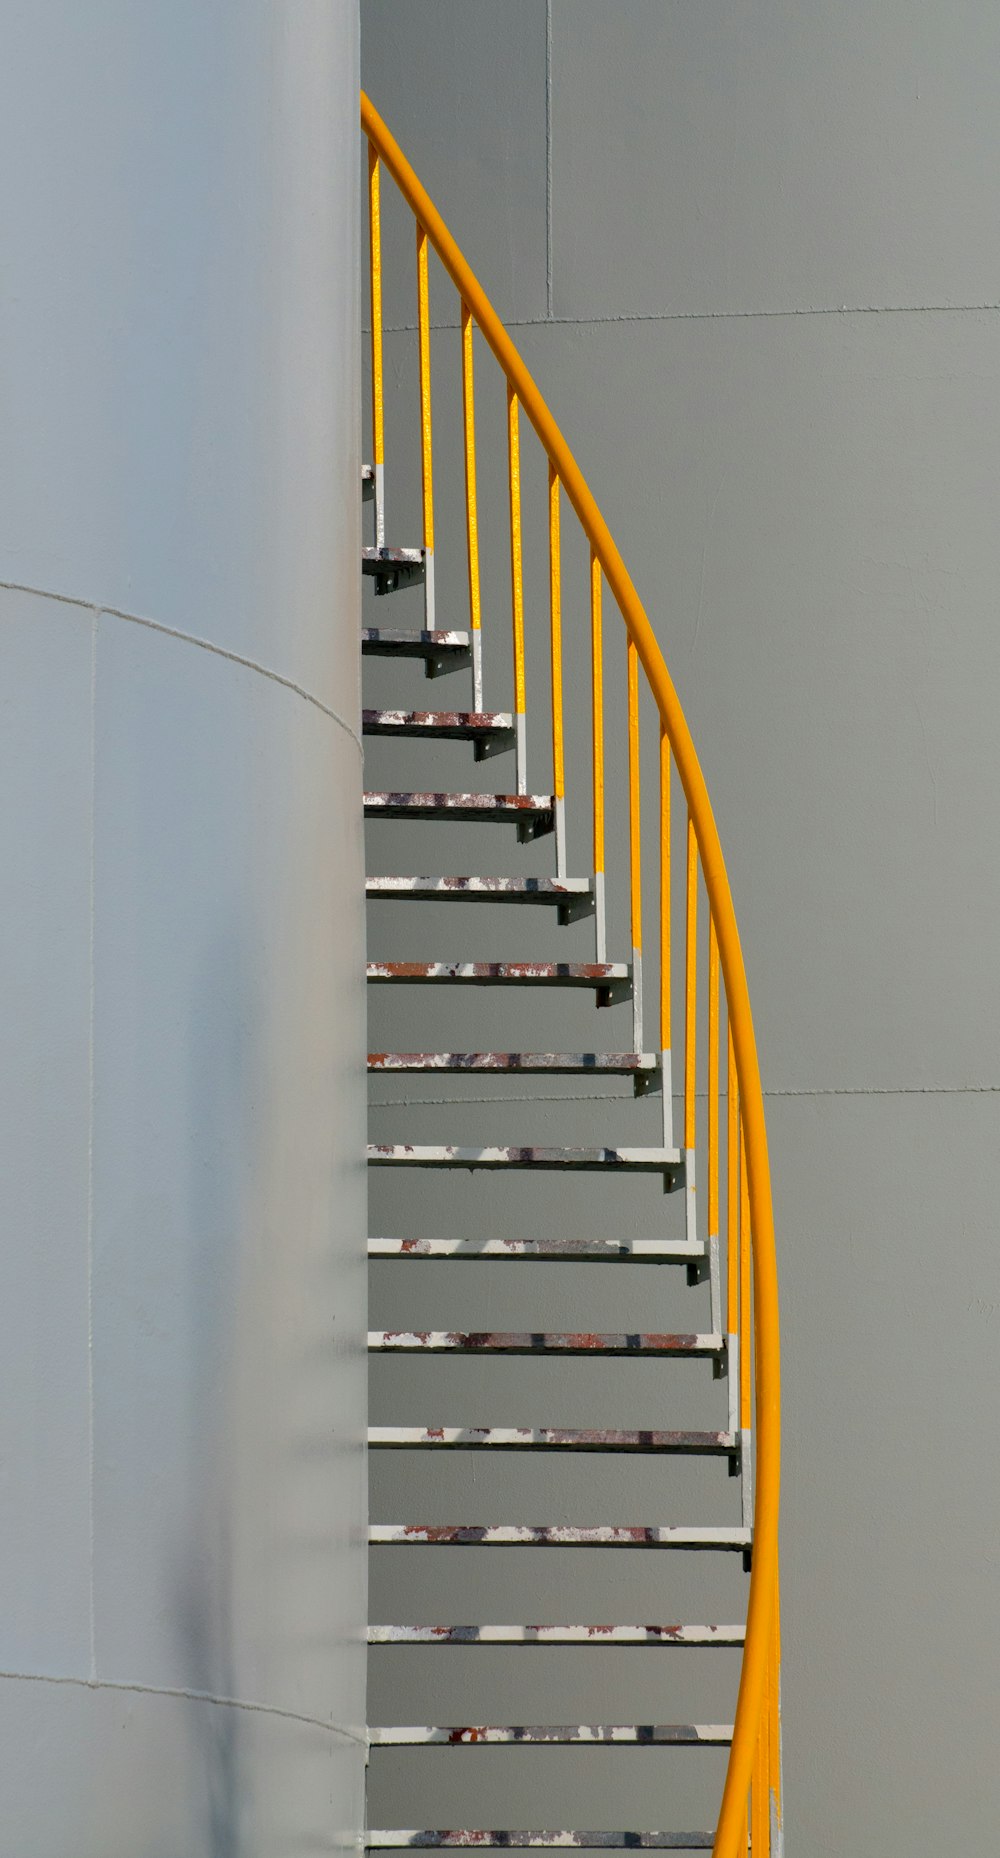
(722, 1234)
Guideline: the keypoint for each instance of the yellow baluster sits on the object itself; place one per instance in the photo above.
(555, 627)
(666, 1080)
(426, 438)
(375, 281)
(635, 842)
(597, 716)
(471, 512)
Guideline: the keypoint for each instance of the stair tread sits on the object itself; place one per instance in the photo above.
(557, 1635)
(546, 1251)
(551, 1439)
(599, 974)
(515, 1342)
(491, 889)
(569, 1063)
(648, 1735)
(436, 722)
(402, 636)
(556, 1535)
(392, 568)
(540, 1841)
(372, 556)
(581, 1160)
(475, 806)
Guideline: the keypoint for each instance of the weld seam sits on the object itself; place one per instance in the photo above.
(720, 316)
(188, 638)
(192, 1696)
(626, 1096)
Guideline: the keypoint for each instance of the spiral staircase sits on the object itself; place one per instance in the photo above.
(713, 1232)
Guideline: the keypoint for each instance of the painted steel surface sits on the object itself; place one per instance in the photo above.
(183, 1199)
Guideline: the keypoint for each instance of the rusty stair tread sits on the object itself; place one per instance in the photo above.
(547, 1735)
(458, 1840)
(559, 1535)
(574, 895)
(707, 1636)
(613, 978)
(542, 1342)
(446, 725)
(552, 1439)
(534, 812)
(371, 557)
(401, 639)
(567, 1064)
(544, 1251)
(665, 1161)
(392, 568)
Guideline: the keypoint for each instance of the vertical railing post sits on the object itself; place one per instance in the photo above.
(597, 717)
(745, 1334)
(713, 1125)
(555, 628)
(732, 1233)
(774, 1734)
(666, 1078)
(471, 511)
(516, 584)
(426, 443)
(690, 1026)
(375, 280)
(635, 842)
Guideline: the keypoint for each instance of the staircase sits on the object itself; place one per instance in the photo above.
(712, 1233)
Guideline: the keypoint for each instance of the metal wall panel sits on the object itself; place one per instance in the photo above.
(182, 1133)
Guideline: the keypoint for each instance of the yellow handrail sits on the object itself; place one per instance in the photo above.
(522, 390)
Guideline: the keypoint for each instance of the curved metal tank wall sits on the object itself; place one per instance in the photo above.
(751, 256)
(182, 1310)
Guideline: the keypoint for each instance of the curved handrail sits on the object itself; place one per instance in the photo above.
(764, 1570)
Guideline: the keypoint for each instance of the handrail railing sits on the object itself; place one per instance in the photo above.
(752, 1769)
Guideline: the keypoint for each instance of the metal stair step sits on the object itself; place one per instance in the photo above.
(690, 1252)
(532, 814)
(665, 1161)
(573, 897)
(502, 1342)
(539, 1841)
(551, 1439)
(557, 1535)
(490, 731)
(391, 568)
(557, 1635)
(612, 980)
(440, 651)
(557, 1064)
(549, 1735)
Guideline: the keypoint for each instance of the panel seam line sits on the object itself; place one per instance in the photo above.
(835, 1090)
(719, 316)
(188, 638)
(90, 1147)
(193, 1696)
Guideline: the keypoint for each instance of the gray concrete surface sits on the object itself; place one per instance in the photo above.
(182, 1400)
(766, 319)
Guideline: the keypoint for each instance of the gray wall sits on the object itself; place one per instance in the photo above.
(182, 1391)
(752, 258)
